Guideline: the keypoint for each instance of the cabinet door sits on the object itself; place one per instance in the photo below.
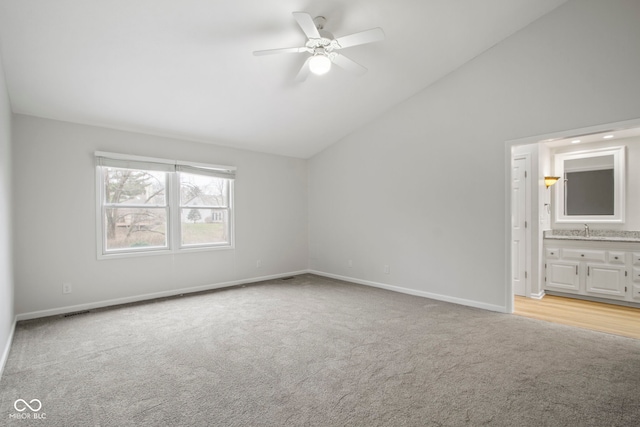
(563, 276)
(606, 280)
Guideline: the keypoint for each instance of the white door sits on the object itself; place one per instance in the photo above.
(519, 226)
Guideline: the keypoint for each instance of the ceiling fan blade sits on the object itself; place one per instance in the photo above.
(306, 23)
(348, 64)
(367, 36)
(304, 71)
(282, 50)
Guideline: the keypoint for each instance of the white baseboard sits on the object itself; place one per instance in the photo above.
(7, 347)
(446, 298)
(539, 295)
(174, 292)
(144, 297)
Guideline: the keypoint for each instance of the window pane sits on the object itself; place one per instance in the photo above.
(135, 228)
(137, 187)
(201, 190)
(205, 226)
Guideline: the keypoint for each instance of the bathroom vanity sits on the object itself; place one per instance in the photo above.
(606, 264)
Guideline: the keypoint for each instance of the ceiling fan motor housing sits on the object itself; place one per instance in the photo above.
(326, 42)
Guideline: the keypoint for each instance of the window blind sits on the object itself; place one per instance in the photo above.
(147, 163)
(209, 171)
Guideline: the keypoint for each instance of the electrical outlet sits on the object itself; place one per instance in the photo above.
(66, 288)
(386, 269)
(350, 263)
(258, 263)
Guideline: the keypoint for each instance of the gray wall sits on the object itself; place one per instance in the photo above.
(6, 270)
(55, 230)
(422, 189)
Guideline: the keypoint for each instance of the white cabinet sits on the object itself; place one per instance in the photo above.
(563, 276)
(635, 276)
(606, 280)
(591, 268)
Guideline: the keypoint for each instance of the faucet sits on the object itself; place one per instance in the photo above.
(586, 230)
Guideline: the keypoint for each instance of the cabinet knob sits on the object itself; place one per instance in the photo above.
(581, 254)
(615, 257)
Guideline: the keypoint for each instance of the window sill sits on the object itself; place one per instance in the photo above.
(186, 250)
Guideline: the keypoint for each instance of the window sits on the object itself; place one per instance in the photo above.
(150, 205)
(204, 206)
(135, 208)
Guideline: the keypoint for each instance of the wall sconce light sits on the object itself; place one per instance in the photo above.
(550, 180)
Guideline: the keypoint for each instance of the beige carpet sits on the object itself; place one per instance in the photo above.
(320, 352)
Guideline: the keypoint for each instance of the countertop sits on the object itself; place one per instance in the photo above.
(594, 235)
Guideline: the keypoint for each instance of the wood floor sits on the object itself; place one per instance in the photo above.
(610, 318)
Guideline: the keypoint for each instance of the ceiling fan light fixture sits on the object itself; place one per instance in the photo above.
(319, 64)
(323, 47)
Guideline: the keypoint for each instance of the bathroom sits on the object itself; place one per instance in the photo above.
(577, 233)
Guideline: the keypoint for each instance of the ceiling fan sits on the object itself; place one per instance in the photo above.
(323, 46)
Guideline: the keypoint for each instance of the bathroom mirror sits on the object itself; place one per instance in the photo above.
(591, 186)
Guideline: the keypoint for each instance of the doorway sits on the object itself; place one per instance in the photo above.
(537, 209)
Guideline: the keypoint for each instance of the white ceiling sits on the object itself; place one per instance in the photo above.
(185, 68)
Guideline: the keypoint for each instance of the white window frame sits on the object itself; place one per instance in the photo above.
(173, 205)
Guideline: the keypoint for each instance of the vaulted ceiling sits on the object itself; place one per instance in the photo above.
(185, 68)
